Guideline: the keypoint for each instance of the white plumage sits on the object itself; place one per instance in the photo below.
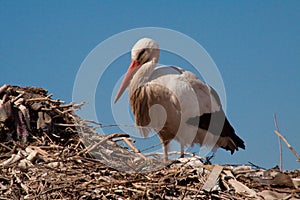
(175, 103)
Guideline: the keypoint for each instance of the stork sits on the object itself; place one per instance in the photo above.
(175, 103)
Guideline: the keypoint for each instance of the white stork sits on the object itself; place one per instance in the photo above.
(192, 111)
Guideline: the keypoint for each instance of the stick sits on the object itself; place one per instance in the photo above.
(212, 178)
(288, 145)
(92, 147)
(279, 142)
(256, 166)
(3, 88)
(45, 99)
(6, 147)
(135, 150)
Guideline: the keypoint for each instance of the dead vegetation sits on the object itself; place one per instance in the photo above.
(47, 152)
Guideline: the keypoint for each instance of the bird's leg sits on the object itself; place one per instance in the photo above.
(165, 150)
(181, 151)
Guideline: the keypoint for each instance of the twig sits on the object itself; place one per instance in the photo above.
(68, 105)
(92, 122)
(3, 88)
(67, 125)
(288, 145)
(45, 99)
(280, 145)
(135, 150)
(53, 189)
(151, 147)
(256, 166)
(212, 178)
(77, 106)
(92, 147)
(6, 147)
(170, 153)
(18, 180)
(17, 97)
(121, 139)
(114, 125)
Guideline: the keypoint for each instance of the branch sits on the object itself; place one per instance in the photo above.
(108, 137)
(279, 142)
(3, 88)
(288, 145)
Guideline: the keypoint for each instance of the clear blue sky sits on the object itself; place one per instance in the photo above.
(255, 44)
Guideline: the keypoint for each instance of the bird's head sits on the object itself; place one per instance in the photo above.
(143, 51)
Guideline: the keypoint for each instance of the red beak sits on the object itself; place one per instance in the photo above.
(134, 65)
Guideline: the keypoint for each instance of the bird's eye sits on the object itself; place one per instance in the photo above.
(140, 54)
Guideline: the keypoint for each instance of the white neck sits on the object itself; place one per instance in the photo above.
(141, 77)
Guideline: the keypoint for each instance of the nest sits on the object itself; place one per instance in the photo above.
(48, 152)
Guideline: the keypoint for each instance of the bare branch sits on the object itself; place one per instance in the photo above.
(279, 142)
(288, 145)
